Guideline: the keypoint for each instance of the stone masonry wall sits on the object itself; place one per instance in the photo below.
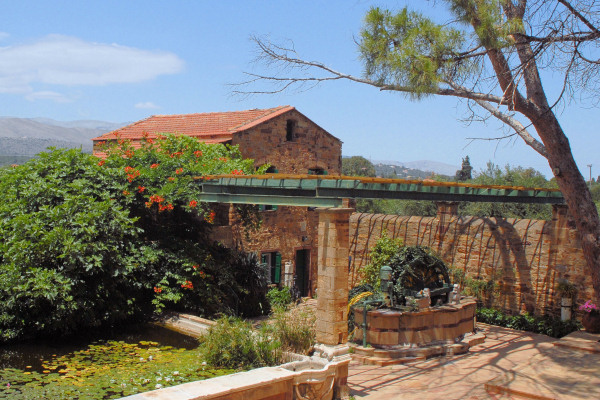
(526, 257)
(311, 147)
(286, 229)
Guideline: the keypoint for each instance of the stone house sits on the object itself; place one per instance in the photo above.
(281, 137)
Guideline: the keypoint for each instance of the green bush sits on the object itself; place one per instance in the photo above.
(232, 343)
(87, 242)
(385, 248)
(545, 324)
(279, 297)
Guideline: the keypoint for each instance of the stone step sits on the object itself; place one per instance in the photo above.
(365, 351)
(382, 362)
(187, 324)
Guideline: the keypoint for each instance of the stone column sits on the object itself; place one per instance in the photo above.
(561, 216)
(332, 281)
(332, 292)
(446, 208)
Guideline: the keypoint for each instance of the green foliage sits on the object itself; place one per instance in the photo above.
(279, 297)
(70, 255)
(294, 329)
(357, 166)
(356, 290)
(353, 299)
(510, 176)
(464, 173)
(492, 175)
(87, 242)
(481, 289)
(250, 282)
(566, 289)
(421, 208)
(385, 248)
(232, 343)
(545, 324)
(408, 50)
(360, 166)
(134, 368)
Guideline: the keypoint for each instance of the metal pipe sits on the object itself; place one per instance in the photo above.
(364, 324)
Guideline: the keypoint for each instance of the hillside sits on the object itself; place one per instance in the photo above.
(413, 169)
(403, 171)
(22, 138)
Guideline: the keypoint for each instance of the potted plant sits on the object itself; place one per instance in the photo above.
(591, 317)
(567, 292)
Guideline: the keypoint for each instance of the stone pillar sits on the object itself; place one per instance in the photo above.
(562, 217)
(446, 208)
(332, 293)
(332, 281)
(446, 211)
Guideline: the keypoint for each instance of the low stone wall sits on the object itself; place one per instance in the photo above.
(386, 327)
(285, 382)
(269, 383)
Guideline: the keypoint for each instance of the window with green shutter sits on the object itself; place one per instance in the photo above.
(277, 275)
(273, 262)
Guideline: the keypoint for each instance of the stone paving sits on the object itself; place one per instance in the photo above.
(508, 365)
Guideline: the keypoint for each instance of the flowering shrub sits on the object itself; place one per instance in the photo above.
(589, 307)
(85, 242)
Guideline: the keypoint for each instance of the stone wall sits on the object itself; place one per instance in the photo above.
(286, 229)
(525, 257)
(310, 147)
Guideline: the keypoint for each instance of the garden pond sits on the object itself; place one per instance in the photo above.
(138, 359)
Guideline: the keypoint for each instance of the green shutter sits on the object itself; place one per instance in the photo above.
(263, 258)
(277, 278)
(324, 172)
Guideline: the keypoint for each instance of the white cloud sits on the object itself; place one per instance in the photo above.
(147, 104)
(65, 60)
(48, 95)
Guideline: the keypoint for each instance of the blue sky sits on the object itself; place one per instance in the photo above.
(125, 60)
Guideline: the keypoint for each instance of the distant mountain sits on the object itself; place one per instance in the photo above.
(426, 166)
(90, 124)
(29, 136)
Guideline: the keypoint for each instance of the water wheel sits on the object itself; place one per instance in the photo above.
(415, 268)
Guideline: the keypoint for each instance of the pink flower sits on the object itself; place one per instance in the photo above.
(588, 307)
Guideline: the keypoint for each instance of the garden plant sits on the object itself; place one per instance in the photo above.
(87, 242)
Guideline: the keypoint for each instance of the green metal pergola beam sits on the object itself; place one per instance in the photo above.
(270, 200)
(313, 191)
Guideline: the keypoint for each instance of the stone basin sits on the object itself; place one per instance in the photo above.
(315, 377)
(388, 328)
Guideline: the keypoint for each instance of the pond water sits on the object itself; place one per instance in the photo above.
(108, 366)
(33, 353)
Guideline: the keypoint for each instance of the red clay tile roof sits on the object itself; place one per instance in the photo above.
(210, 127)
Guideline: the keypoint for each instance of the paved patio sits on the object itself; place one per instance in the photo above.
(508, 365)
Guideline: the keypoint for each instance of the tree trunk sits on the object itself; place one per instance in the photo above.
(575, 191)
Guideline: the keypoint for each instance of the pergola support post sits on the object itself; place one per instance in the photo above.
(332, 291)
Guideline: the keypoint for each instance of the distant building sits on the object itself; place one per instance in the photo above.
(282, 137)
